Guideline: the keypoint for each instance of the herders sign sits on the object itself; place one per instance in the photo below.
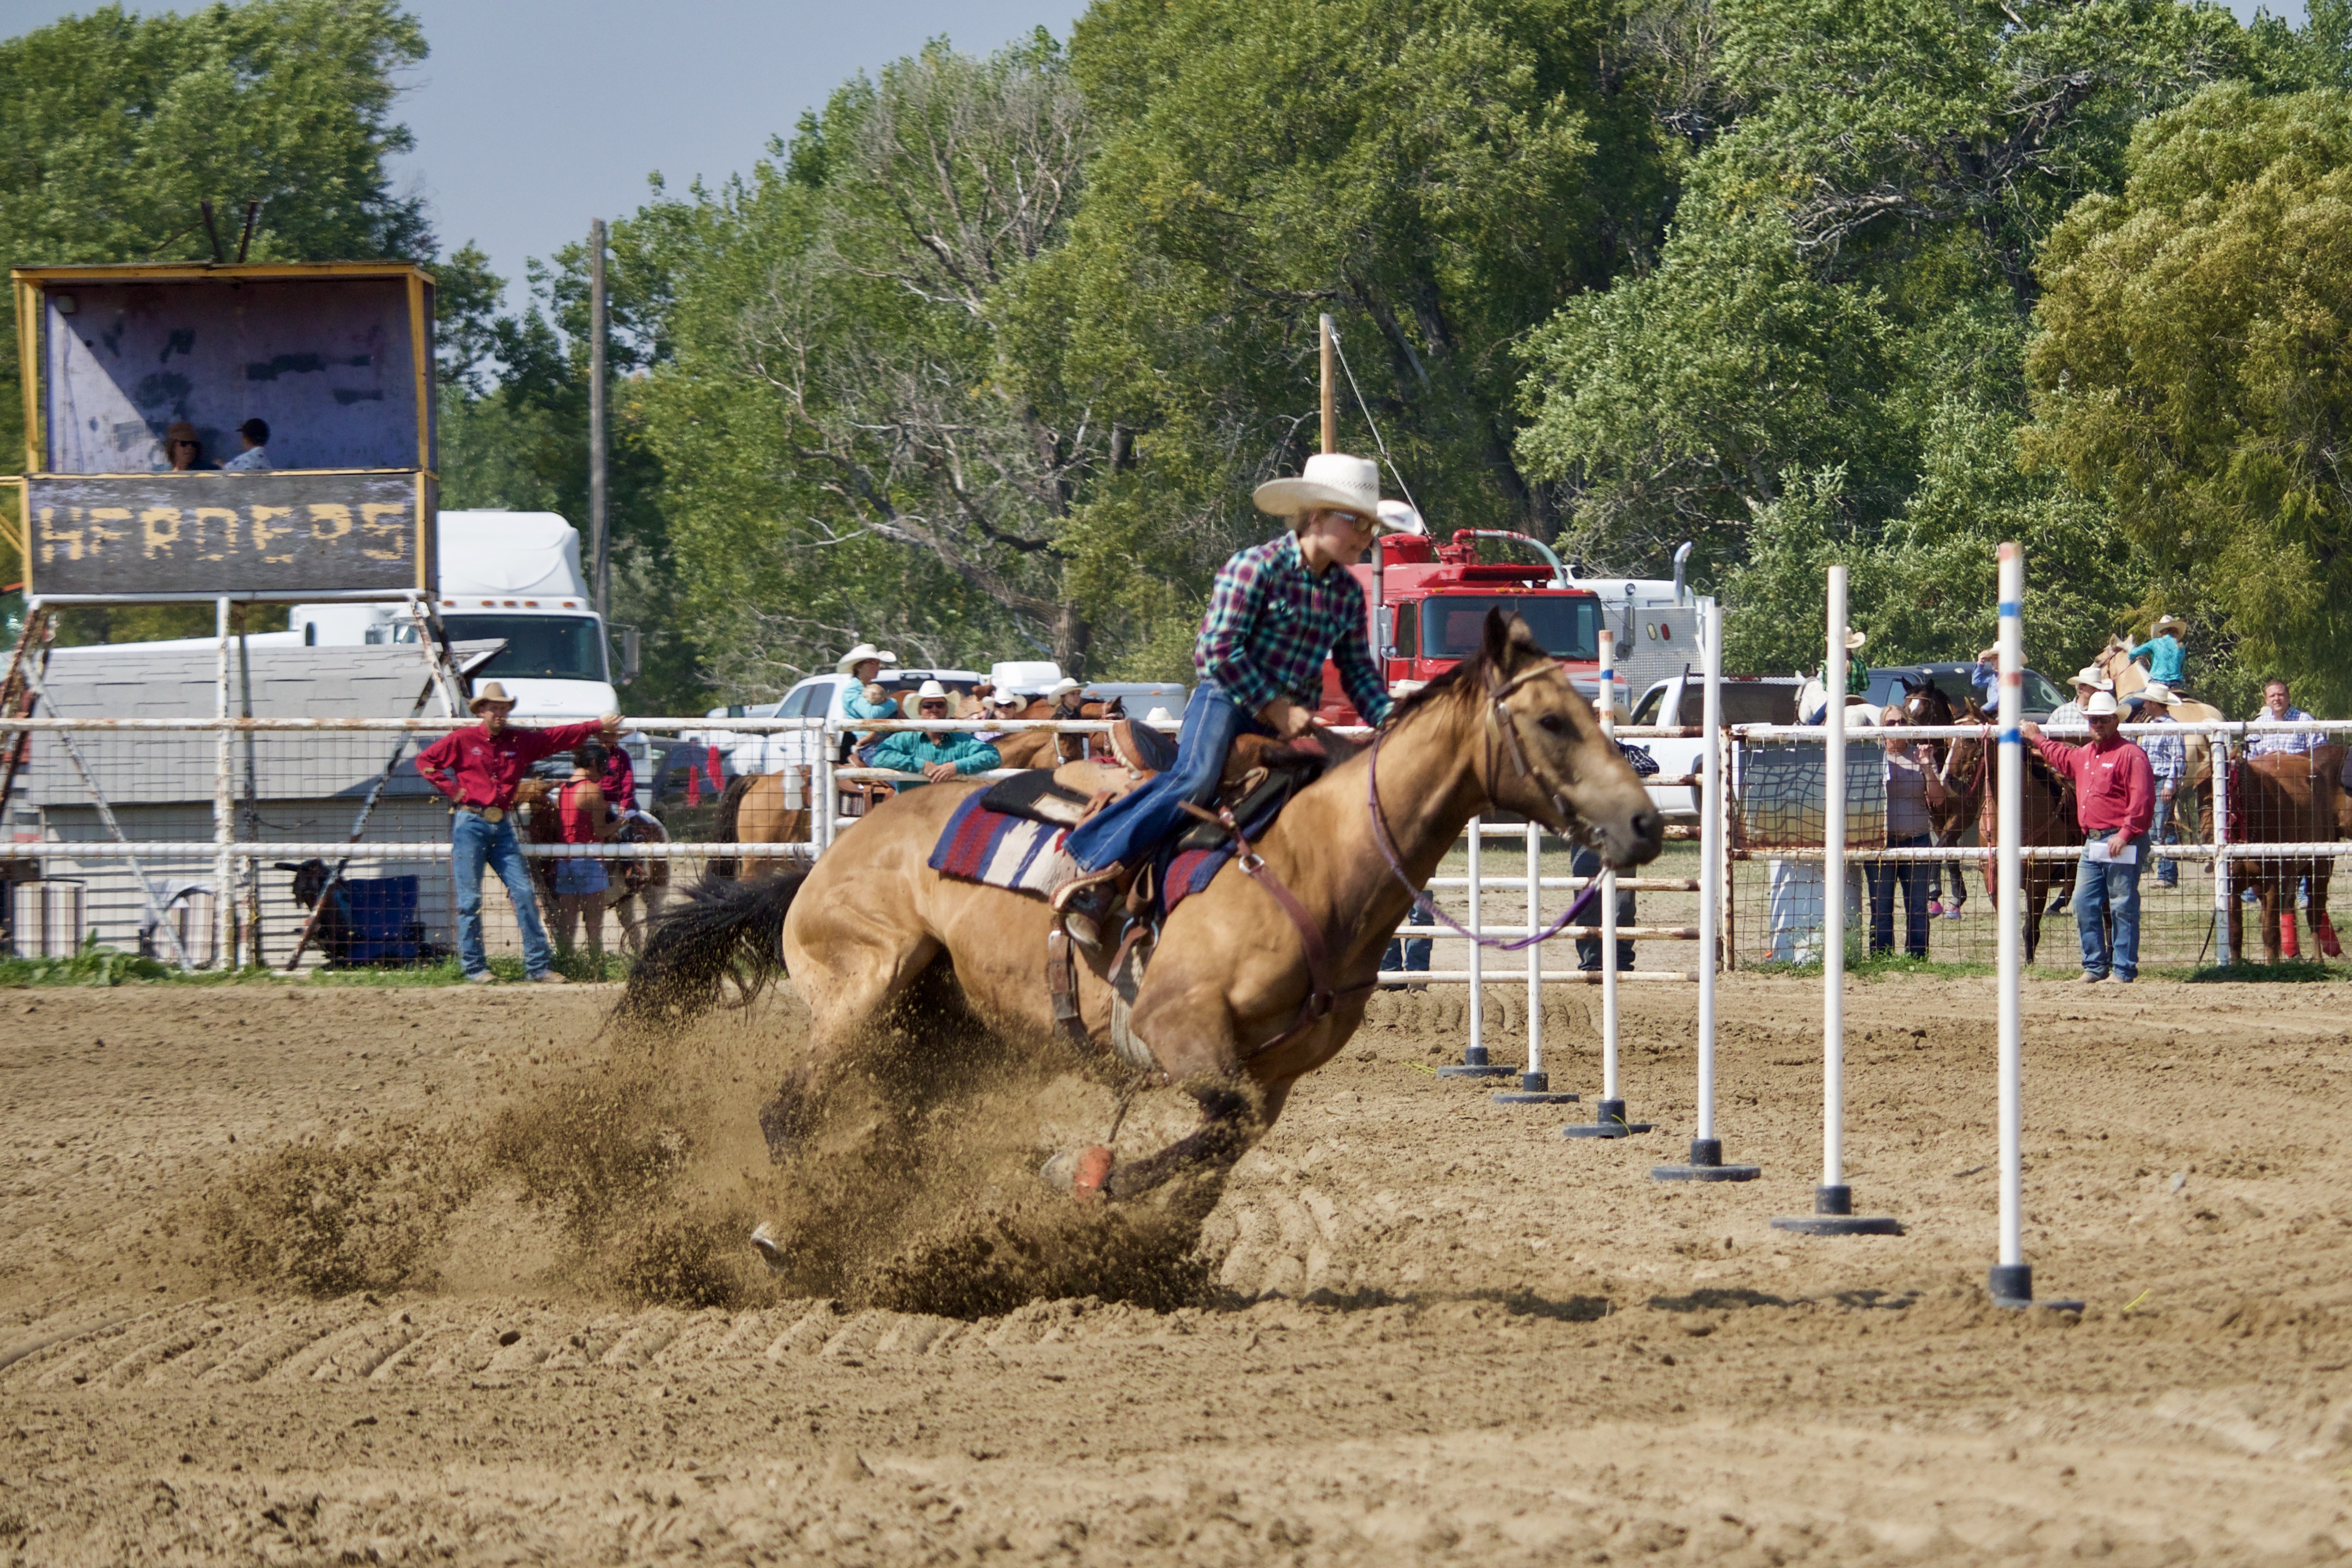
(274, 536)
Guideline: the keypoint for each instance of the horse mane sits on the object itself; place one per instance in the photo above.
(1468, 679)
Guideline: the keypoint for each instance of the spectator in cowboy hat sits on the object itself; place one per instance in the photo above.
(2167, 758)
(938, 754)
(2089, 681)
(1985, 679)
(2114, 801)
(478, 768)
(2166, 652)
(1067, 695)
(1276, 611)
(1814, 701)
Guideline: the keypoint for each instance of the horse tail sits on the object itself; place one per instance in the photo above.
(730, 814)
(725, 931)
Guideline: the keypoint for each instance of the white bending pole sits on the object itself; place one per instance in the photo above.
(2011, 782)
(224, 802)
(1710, 862)
(2224, 896)
(1833, 893)
(1608, 889)
(1534, 953)
(1477, 980)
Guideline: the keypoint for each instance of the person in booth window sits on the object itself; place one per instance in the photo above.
(478, 768)
(253, 439)
(183, 449)
(1276, 611)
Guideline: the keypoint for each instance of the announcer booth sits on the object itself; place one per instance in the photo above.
(334, 357)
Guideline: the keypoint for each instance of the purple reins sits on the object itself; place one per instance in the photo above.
(1425, 905)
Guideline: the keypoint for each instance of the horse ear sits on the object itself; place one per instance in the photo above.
(1495, 640)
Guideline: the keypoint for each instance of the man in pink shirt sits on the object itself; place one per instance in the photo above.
(478, 768)
(2115, 800)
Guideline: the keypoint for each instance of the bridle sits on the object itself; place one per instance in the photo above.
(1502, 738)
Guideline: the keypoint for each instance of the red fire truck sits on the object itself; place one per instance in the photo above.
(1427, 604)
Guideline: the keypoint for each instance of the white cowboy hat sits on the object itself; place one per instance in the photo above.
(1159, 716)
(930, 692)
(2164, 621)
(2091, 675)
(2101, 705)
(1992, 652)
(1331, 480)
(859, 654)
(1854, 641)
(1399, 516)
(491, 693)
(2157, 692)
(1067, 684)
(1010, 699)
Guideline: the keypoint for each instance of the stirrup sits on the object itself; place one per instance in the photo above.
(1089, 891)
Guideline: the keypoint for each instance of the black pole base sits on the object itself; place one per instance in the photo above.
(1833, 1215)
(1474, 1064)
(2012, 1285)
(1705, 1166)
(1535, 1089)
(1608, 1122)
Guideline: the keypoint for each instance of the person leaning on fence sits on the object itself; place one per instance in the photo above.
(478, 768)
(584, 815)
(861, 697)
(2167, 759)
(2115, 800)
(938, 754)
(2279, 708)
(1912, 788)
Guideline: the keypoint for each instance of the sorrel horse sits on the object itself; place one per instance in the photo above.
(2285, 797)
(1242, 999)
(2048, 818)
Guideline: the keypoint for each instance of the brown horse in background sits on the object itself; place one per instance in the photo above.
(2049, 821)
(633, 889)
(1926, 703)
(2285, 797)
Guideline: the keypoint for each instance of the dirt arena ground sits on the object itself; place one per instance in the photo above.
(321, 1276)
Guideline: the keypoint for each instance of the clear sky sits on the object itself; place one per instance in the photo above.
(533, 116)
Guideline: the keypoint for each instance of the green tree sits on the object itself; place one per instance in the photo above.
(2192, 369)
(1439, 175)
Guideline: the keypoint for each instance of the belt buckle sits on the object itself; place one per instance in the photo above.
(494, 814)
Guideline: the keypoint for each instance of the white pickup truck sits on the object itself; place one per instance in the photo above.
(1747, 700)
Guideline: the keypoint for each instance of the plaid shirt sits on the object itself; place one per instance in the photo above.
(1270, 622)
(2168, 755)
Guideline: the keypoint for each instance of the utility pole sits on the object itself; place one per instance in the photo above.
(1330, 392)
(599, 533)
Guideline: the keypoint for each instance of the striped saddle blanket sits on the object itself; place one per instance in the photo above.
(1001, 851)
(983, 846)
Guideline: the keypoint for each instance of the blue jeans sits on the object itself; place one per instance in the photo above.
(1133, 826)
(1917, 878)
(2167, 826)
(1586, 862)
(474, 842)
(2108, 895)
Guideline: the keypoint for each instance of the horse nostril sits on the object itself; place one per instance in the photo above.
(1649, 827)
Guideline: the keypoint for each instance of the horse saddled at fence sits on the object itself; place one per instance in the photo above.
(2285, 797)
(1259, 978)
(634, 890)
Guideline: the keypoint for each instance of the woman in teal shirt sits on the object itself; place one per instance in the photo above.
(2165, 652)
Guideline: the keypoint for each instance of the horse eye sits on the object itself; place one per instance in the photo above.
(1553, 723)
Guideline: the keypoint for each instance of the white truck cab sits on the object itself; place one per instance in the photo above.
(1680, 700)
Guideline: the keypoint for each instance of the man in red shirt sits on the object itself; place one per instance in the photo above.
(2115, 800)
(478, 768)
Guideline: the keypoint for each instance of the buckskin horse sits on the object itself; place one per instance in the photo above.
(1257, 980)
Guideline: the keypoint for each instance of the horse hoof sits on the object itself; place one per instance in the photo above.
(1079, 1172)
(1093, 1170)
(763, 1241)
